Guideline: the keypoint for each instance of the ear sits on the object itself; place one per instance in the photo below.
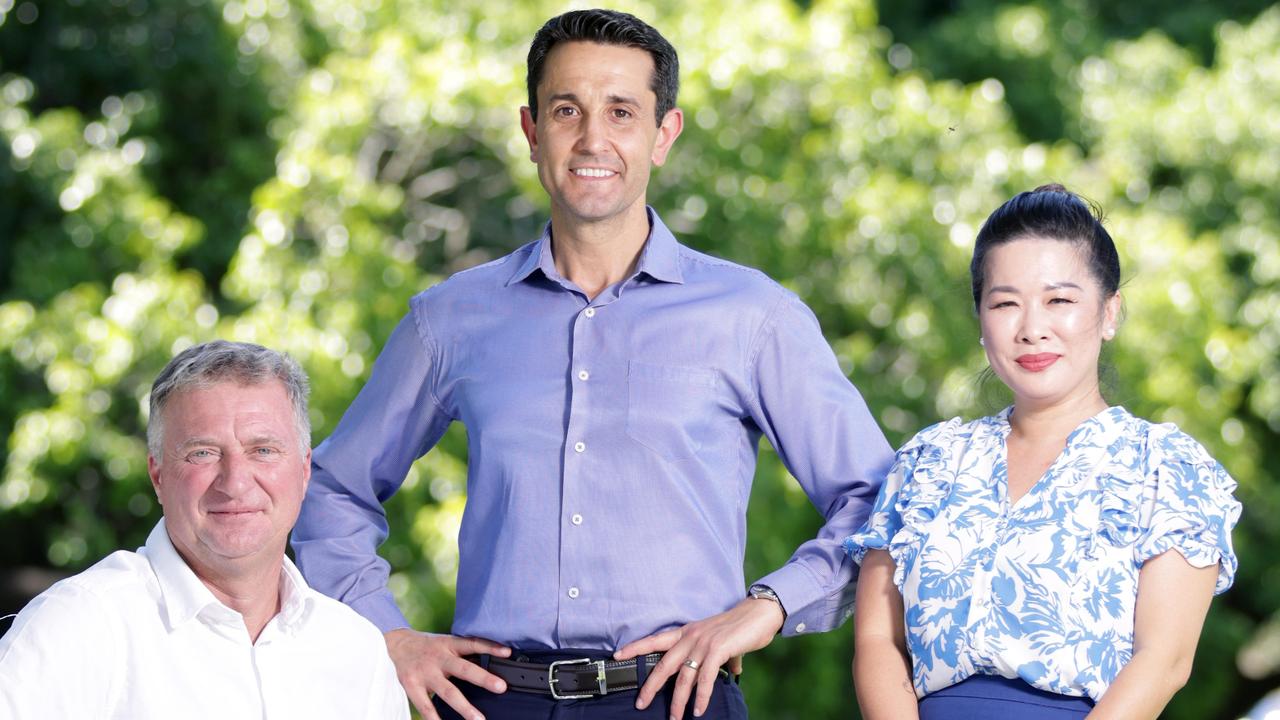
(668, 131)
(530, 130)
(306, 471)
(1111, 311)
(153, 471)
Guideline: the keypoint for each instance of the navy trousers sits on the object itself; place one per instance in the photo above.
(726, 700)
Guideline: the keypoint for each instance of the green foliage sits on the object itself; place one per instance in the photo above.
(1037, 48)
(291, 173)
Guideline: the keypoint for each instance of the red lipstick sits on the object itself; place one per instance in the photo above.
(1037, 362)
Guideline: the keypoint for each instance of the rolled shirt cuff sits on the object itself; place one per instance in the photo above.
(380, 609)
(809, 608)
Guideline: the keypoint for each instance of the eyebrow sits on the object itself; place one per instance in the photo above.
(249, 442)
(613, 99)
(1048, 286)
(264, 440)
(196, 441)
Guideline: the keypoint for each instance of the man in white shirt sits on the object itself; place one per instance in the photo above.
(209, 619)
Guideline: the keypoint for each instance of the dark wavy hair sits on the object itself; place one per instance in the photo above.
(608, 27)
(1055, 213)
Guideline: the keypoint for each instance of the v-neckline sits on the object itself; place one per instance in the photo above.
(1004, 429)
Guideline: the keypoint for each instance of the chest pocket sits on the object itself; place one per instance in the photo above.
(672, 409)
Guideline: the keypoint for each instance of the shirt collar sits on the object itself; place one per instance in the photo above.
(659, 259)
(1088, 431)
(297, 599)
(185, 597)
(1087, 446)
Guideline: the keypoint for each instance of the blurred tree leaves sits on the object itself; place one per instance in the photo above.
(291, 173)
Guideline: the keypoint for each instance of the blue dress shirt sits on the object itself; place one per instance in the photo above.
(612, 444)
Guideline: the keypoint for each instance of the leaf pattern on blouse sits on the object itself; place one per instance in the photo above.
(1042, 590)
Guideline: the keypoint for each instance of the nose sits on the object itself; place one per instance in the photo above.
(235, 475)
(593, 138)
(1034, 325)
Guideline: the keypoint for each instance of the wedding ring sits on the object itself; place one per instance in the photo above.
(692, 664)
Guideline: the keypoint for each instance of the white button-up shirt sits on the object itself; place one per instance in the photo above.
(139, 636)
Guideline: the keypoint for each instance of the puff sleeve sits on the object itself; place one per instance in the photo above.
(1190, 506)
(911, 495)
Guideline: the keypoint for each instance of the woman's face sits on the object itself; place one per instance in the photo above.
(1044, 320)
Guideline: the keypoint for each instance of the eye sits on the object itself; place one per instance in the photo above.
(266, 453)
(201, 456)
(565, 111)
(1003, 304)
(621, 113)
(1061, 301)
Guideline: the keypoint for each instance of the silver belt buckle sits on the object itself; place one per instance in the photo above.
(553, 681)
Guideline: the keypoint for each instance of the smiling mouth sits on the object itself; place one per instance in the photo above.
(593, 172)
(1038, 362)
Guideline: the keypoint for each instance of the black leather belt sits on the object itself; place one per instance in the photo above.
(570, 679)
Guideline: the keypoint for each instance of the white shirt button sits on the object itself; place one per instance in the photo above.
(573, 592)
(590, 312)
(576, 519)
(583, 374)
(580, 446)
(800, 628)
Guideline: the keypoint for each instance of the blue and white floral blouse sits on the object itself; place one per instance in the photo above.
(1044, 589)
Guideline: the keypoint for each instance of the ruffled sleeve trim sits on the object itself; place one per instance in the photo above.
(1193, 509)
(901, 504)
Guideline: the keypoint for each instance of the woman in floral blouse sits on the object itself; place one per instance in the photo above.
(1055, 560)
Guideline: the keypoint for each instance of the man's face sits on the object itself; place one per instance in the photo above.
(232, 475)
(596, 137)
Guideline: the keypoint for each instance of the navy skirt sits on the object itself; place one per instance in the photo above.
(990, 697)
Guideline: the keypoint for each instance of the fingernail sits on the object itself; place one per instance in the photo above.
(640, 704)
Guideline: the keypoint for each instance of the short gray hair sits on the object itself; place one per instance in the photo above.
(203, 366)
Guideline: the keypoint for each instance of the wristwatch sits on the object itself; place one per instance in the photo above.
(764, 592)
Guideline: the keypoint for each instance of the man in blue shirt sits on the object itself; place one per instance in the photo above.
(614, 385)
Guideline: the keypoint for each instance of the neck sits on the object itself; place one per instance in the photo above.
(595, 255)
(254, 593)
(1031, 419)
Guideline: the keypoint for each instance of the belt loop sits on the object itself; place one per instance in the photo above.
(642, 670)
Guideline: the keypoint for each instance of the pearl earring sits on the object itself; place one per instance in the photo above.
(1110, 333)
(982, 341)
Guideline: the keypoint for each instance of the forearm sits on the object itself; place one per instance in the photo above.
(882, 680)
(1143, 687)
(881, 664)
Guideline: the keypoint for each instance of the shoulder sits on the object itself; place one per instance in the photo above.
(479, 279)
(89, 605)
(747, 284)
(338, 620)
(943, 436)
(1168, 444)
(119, 578)
(1156, 444)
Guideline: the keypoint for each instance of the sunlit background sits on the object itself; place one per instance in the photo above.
(290, 173)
